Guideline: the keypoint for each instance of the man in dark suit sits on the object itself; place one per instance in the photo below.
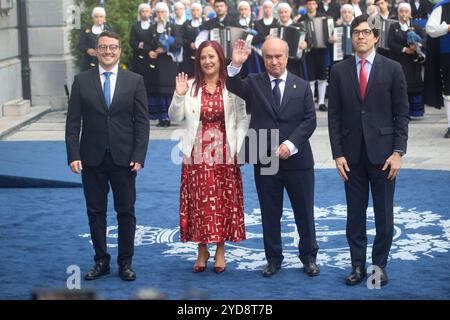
(111, 104)
(368, 127)
(223, 18)
(282, 104)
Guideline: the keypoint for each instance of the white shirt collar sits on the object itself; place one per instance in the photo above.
(97, 29)
(145, 24)
(282, 77)
(404, 26)
(369, 59)
(244, 22)
(180, 21)
(114, 70)
(268, 21)
(196, 22)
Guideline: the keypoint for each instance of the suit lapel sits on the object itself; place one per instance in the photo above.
(267, 91)
(119, 81)
(98, 85)
(374, 74)
(288, 91)
(354, 77)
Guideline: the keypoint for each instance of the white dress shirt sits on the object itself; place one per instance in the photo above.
(434, 26)
(112, 78)
(233, 71)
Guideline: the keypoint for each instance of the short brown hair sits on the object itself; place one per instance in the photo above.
(109, 34)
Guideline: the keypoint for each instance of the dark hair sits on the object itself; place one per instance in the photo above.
(109, 34)
(316, 1)
(217, 1)
(365, 18)
(198, 74)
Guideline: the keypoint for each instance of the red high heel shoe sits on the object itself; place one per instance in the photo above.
(198, 269)
(219, 269)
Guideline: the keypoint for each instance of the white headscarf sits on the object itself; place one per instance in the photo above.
(98, 10)
(142, 6)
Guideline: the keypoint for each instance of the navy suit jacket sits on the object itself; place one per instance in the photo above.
(295, 119)
(123, 128)
(381, 119)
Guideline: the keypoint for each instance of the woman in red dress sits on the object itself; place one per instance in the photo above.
(215, 124)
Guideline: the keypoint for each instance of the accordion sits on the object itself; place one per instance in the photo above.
(319, 29)
(293, 35)
(384, 33)
(343, 46)
(227, 36)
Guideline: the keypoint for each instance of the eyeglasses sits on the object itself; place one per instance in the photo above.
(112, 47)
(364, 32)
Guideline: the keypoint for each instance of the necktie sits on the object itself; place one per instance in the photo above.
(362, 78)
(107, 89)
(276, 92)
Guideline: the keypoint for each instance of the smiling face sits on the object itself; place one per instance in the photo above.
(284, 14)
(106, 57)
(209, 62)
(363, 44)
(275, 57)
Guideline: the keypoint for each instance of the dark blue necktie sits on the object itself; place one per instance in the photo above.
(276, 92)
(107, 89)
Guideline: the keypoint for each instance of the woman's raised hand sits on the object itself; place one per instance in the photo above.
(181, 84)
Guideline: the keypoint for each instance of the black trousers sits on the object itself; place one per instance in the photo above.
(361, 176)
(299, 185)
(96, 182)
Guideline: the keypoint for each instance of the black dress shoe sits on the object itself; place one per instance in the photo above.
(323, 107)
(127, 274)
(311, 269)
(270, 269)
(100, 269)
(356, 276)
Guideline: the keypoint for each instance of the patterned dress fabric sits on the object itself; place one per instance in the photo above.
(211, 196)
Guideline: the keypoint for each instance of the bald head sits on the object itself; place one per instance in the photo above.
(275, 53)
(275, 42)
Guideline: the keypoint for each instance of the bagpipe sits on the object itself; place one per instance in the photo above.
(415, 40)
(166, 40)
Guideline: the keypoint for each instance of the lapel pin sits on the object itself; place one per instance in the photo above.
(295, 86)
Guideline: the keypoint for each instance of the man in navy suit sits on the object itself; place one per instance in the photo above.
(368, 128)
(109, 106)
(282, 104)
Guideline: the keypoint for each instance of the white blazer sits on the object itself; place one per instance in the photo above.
(188, 108)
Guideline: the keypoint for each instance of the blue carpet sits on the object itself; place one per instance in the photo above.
(43, 231)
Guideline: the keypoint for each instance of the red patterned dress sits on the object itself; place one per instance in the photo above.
(211, 196)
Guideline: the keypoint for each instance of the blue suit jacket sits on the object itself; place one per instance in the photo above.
(295, 119)
(381, 119)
